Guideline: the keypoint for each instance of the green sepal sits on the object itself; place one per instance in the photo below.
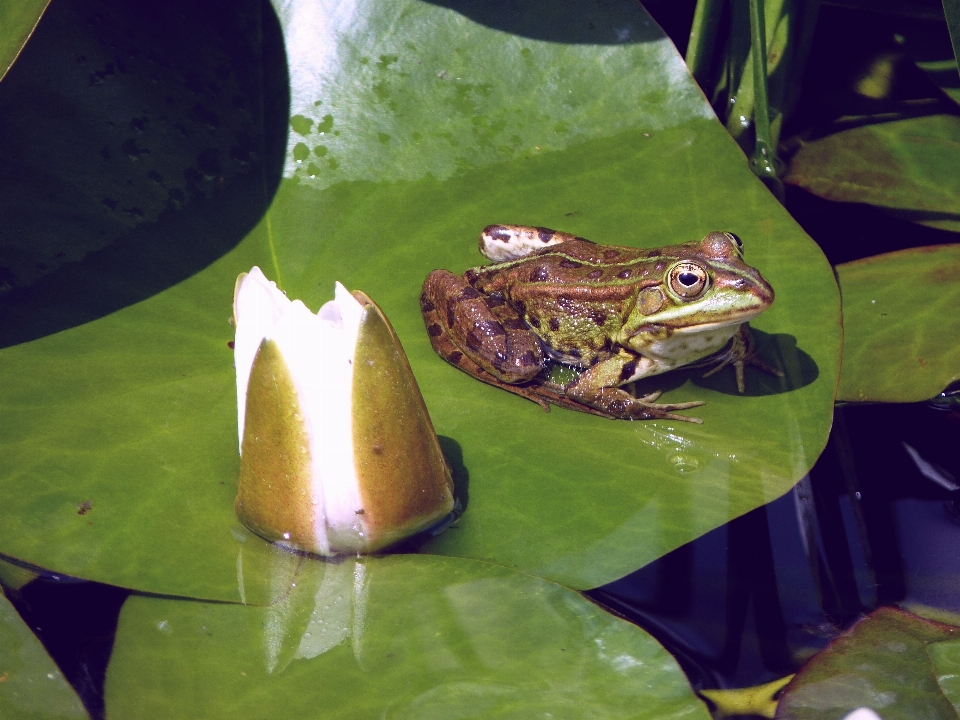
(405, 483)
(274, 497)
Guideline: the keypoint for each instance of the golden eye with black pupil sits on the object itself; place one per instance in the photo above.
(688, 280)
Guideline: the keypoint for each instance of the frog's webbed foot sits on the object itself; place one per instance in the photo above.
(740, 352)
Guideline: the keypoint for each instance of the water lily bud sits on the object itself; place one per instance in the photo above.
(337, 451)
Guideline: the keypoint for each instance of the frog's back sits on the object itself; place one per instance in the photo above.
(576, 266)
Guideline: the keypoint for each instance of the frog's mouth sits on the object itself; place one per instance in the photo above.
(737, 319)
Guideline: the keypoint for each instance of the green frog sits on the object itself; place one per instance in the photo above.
(618, 314)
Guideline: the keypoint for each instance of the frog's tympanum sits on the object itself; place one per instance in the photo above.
(618, 313)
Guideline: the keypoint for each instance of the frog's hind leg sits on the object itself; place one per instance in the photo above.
(465, 326)
(434, 296)
(502, 243)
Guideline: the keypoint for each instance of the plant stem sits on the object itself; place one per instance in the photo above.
(764, 153)
(951, 8)
(703, 36)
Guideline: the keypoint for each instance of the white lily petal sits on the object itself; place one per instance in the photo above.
(257, 305)
(345, 524)
(314, 353)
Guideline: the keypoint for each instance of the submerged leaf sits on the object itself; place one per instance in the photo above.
(882, 663)
(757, 700)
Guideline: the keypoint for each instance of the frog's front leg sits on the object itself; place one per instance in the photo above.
(739, 353)
(463, 323)
(598, 387)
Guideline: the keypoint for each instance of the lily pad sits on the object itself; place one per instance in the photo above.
(900, 325)
(400, 637)
(413, 126)
(885, 663)
(945, 657)
(31, 685)
(14, 577)
(907, 167)
(17, 21)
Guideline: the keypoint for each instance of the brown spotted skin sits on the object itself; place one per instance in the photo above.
(490, 333)
(444, 346)
(434, 306)
(562, 297)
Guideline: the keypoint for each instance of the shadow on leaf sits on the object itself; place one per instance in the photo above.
(142, 141)
(561, 21)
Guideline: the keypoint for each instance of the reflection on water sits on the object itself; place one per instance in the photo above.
(338, 611)
(324, 606)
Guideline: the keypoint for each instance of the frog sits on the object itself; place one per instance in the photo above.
(613, 314)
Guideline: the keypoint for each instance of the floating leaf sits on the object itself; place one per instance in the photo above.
(17, 21)
(882, 663)
(900, 325)
(945, 657)
(31, 685)
(907, 167)
(414, 126)
(14, 577)
(401, 637)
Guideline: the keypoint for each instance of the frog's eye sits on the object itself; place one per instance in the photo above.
(689, 280)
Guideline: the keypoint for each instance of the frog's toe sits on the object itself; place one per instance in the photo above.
(618, 403)
(649, 411)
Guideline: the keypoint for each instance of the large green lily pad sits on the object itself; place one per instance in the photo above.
(412, 127)
(900, 325)
(907, 167)
(892, 662)
(400, 637)
(31, 685)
